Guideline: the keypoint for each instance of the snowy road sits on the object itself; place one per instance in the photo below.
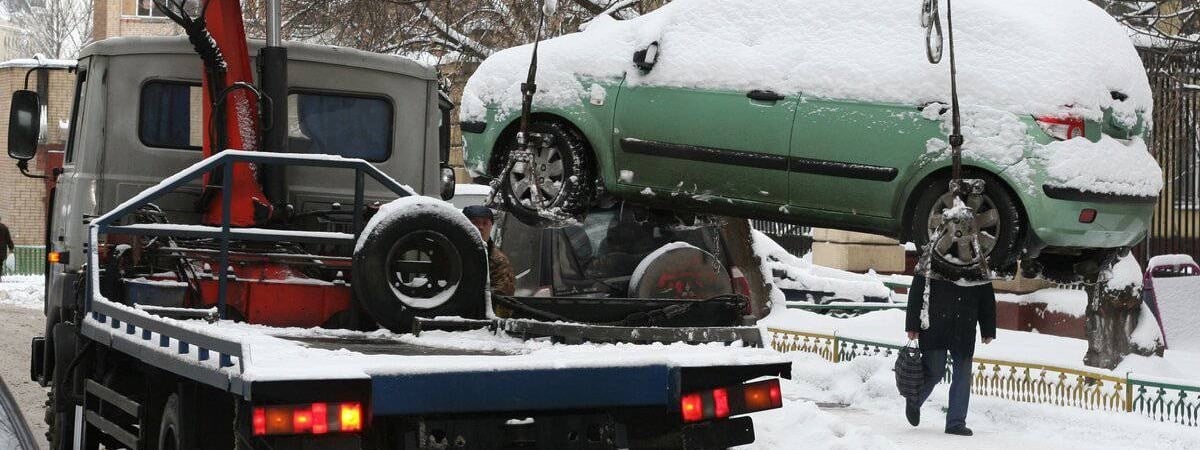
(874, 418)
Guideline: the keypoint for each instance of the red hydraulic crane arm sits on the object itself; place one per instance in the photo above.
(240, 113)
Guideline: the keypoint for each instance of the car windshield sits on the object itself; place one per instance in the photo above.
(601, 253)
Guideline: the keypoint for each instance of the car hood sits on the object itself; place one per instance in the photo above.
(1022, 56)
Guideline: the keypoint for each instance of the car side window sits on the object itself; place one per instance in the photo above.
(352, 126)
(170, 115)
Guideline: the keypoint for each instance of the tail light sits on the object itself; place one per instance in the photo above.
(1061, 128)
(731, 401)
(313, 418)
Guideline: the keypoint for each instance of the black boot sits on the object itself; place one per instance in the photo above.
(960, 430)
(912, 411)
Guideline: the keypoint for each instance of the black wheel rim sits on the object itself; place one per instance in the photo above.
(545, 172)
(424, 269)
(955, 248)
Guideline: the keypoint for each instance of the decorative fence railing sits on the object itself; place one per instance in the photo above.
(1027, 382)
(30, 260)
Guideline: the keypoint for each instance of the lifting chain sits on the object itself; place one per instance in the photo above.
(958, 220)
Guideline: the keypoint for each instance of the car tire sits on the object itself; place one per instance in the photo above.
(1009, 228)
(576, 182)
(394, 293)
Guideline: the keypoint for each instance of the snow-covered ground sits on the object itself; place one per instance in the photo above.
(854, 405)
(22, 291)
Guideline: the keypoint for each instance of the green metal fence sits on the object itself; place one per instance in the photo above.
(1027, 382)
(30, 260)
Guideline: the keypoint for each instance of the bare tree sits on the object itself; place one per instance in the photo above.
(52, 28)
(1159, 23)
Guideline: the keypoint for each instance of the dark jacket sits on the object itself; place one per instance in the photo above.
(500, 271)
(953, 312)
(6, 242)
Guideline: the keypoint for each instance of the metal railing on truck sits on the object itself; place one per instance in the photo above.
(179, 349)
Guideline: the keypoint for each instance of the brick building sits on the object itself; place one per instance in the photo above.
(23, 199)
(113, 18)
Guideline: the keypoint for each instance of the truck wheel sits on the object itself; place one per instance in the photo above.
(422, 264)
(60, 410)
(171, 433)
(563, 177)
(999, 219)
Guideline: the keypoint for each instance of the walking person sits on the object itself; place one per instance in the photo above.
(6, 245)
(948, 326)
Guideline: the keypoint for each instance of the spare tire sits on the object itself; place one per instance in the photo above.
(680, 270)
(420, 257)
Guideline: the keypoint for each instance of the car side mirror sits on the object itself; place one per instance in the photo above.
(24, 125)
(646, 59)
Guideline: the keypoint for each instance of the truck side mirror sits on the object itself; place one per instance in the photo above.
(646, 59)
(24, 125)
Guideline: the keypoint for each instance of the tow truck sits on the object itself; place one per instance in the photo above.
(224, 251)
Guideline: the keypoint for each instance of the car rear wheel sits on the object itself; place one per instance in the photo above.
(560, 174)
(998, 219)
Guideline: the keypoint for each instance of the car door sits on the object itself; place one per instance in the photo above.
(703, 143)
(848, 156)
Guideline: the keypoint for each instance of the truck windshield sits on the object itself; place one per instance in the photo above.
(340, 124)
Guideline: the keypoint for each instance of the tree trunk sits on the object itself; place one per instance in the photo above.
(740, 244)
(1113, 313)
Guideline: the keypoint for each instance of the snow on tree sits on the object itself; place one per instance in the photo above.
(52, 28)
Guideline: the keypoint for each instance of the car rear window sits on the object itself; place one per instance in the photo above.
(351, 126)
(170, 115)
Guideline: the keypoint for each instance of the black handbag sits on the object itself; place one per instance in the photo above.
(910, 372)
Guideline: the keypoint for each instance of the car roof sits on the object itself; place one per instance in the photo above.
(297, 51)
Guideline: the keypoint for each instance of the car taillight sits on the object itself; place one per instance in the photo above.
(313, 418)
(1061, 128)
(731, 401)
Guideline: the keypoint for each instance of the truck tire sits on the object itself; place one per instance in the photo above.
(1002, 218)
(60, 410)
(171, 433)
(423, 264)
(567, 183)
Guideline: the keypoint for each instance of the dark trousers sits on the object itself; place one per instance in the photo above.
(960, 384)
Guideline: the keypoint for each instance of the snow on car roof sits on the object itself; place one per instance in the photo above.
(1022, 56)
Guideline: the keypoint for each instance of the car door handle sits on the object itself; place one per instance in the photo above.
(764, 96)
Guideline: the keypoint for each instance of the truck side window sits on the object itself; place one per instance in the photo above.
(170, 115)
(76, 112)
(346, 125)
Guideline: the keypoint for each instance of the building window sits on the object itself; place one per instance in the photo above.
(146, 8)
(345, 125)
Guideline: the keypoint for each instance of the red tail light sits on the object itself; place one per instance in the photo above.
(692, 408)
(731, 401)
(1061, 128)
(314, 418)
(1087, 215)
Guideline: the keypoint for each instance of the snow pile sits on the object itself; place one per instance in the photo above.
(1108, 166)
(1127, 272)
(1022, 56)
(405, 207)
(1072, 302)
(1171, 260)
(23, 291)
(790, 272)
(1178, 301)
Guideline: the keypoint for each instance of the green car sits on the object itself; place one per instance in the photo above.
(827, 113)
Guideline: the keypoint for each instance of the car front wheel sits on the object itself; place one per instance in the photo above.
(556, 185)
(998, 219)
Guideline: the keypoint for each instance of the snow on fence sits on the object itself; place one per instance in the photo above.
(30, 259)
(1025, 382)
